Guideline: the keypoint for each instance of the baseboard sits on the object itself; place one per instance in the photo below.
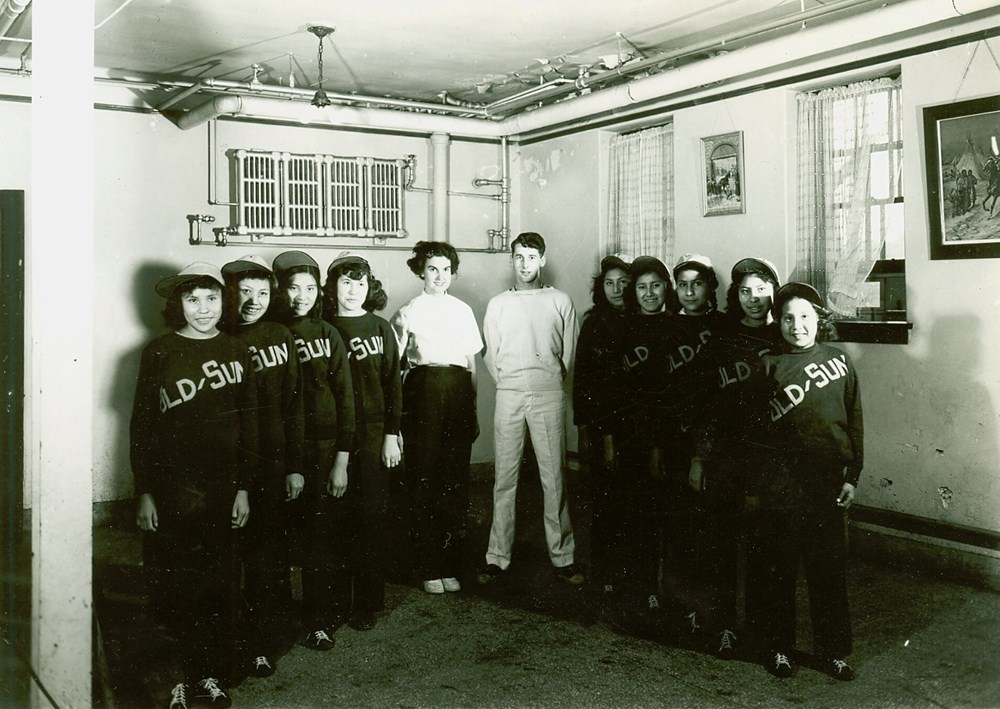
(953, 552)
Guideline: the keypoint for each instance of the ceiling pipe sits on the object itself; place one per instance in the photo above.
(875, 27)
(10, 10)
(558, 88)
(342, 116)
(287, 92)
(218, 106)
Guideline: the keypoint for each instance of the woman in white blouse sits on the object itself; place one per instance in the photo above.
(438, 340)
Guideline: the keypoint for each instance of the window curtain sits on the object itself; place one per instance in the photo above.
(641, 203)
(838, 129)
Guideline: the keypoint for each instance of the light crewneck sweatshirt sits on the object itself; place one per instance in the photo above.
(530, 338)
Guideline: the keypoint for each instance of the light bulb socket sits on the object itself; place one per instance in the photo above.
(321, 100)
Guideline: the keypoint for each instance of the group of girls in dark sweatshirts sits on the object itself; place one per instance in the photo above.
(701, 427)
(279, 392)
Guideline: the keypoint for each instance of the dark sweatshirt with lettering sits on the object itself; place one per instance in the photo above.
(276, 365)
(598, 400)
(812, 416)
(327, 391)
(375, 369)
(194, 419)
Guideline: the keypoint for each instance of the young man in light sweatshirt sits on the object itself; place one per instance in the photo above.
(530, 332)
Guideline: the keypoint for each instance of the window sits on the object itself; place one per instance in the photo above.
(284, 194)
(850, 222)
(641, 193)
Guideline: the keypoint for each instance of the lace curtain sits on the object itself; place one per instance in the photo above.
(839, 131)
(641, 203)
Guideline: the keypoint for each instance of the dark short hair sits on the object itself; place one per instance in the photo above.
(424, 250)
(173, 311)
(529, 240)
(282, 306)
(733, 307)
(355, 270)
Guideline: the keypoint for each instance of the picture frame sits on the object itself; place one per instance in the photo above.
(962, 139)
(723, 183)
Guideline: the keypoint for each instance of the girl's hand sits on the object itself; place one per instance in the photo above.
(241, 509)
(294, 482)
(696, 475)
(846, 496)
(145, 515)
(391, 454)
(336, 483)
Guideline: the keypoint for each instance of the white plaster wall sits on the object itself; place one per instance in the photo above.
(151, 175)
(932, 407)
(763, 229)
(563, 198)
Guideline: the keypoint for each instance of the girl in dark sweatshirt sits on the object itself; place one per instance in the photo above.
(812, 431)
(193, 445)
(278, 477)
(328, 403)
(351, 294)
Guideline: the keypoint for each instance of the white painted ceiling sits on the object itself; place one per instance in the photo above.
(472, 50)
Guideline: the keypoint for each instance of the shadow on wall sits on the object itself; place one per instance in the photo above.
(931, 433)
(148, 312)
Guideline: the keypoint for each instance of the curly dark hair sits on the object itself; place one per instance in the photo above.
(281, 307)
(424, 250)
(377, 298)
(733, 307)
(173, 311)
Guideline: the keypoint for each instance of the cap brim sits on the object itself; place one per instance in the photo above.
(169, 285)
(236, 267)
(749, 265)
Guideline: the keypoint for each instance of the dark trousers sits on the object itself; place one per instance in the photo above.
(359, 519)
(267, 586)
(318, 545)
(781, 539)
(607, 556)
(642, 497)
(712, 545)
(194, 578)
(438, 430)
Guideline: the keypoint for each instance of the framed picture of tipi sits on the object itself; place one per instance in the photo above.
(962, 143)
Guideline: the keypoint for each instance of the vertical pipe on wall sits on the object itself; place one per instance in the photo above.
(441, 143)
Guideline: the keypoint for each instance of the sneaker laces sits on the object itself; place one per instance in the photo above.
(781, 659)
(261, 661)
(839, 665)
(178, 695)
(320, 636)
(726, 642)
(212, 687)
(693, 617)
(654, 602)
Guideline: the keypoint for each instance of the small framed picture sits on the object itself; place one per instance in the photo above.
(963, 178)
(723, 179)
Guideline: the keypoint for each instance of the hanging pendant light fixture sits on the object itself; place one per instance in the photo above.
(320, 99)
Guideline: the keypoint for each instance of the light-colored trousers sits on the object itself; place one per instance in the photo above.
(544, 413)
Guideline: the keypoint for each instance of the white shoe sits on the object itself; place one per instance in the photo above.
(434, 586)
(451, 584)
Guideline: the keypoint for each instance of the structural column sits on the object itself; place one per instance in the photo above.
(59, 322)
(440, 164)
